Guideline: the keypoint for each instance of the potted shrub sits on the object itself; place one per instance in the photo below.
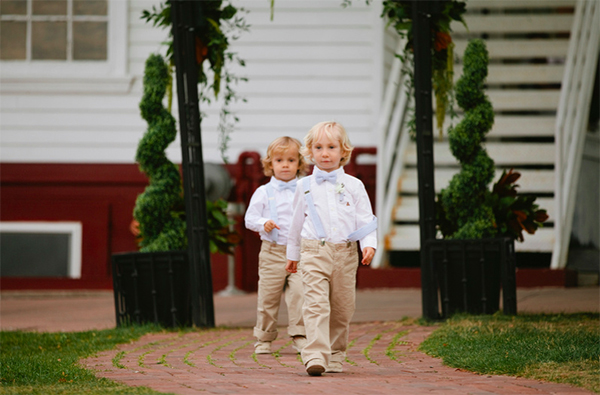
(153, 285)
(479, 226)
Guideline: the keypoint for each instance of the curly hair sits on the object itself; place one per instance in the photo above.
(278, 146)
(334, 131)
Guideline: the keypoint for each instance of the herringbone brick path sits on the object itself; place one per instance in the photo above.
(382, 359)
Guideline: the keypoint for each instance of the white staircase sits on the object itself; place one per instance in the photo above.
(528, 42)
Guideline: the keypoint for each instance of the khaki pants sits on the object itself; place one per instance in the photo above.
(329, 278)
(272, 278)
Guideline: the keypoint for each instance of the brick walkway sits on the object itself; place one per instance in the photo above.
(221, 361)
(382, 359)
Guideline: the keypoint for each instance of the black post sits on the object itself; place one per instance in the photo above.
(184, 50)
(422, 50)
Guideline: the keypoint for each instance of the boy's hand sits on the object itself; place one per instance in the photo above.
(368, 254)
(270, 225)
(291, 266)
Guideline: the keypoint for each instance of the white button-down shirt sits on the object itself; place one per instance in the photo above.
(258, 212)
(343, 208)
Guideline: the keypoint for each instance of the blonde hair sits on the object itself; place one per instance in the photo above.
(333, 131)
(278, 146)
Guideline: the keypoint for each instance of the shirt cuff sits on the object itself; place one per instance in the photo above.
(293, 253)
(369, 241)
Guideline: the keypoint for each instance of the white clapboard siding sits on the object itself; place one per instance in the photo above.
(509, 153)
(408, 209)
(407, 237)
(315, 61)
(531, 181)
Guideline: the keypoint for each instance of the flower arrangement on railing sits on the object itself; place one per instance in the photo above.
(399, 15)
(218, 25)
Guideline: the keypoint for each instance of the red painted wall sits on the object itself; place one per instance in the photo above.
(102, 197)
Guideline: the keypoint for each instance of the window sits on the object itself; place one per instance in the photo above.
(72, 40)
(40, 249)
(67, 30)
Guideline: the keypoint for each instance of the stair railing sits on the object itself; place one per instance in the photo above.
(571, 120)
(391, 149)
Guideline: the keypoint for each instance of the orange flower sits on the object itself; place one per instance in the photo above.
(442, 40)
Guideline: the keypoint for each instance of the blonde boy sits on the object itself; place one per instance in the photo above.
(332, 212)
(269, 214)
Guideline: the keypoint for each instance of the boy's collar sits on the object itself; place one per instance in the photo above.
(275, 181)
(337, 171)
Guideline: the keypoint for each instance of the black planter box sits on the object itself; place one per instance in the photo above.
(468, 275)
(152, 287)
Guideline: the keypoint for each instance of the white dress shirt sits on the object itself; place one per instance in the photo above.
(258, 212)
(343, 208)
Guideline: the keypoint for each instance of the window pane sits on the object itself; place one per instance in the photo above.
(90, 7)
(13, 7)
(49, 41)
(89, 40)
(13, 40)
(49, 7)
(34, 254)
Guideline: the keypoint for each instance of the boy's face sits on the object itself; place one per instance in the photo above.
(285, 164)
(326, 153)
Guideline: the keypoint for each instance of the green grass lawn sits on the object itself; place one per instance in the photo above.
(563, 348)
(48, 363)
(560, 348)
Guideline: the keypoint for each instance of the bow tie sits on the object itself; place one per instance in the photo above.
(324, 176)
(282, 186)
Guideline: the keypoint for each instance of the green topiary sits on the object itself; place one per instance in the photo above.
(160, 209)
(462, 210)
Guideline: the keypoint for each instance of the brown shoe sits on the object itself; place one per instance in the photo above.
(315, 369)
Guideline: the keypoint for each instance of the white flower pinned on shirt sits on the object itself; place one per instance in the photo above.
(339, 189)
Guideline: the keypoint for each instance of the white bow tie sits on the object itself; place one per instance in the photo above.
(282, 186)
(324, 176)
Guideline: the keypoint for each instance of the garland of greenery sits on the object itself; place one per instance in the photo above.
(399, 15)
(159, 210)
(464, 204)
(219, 24)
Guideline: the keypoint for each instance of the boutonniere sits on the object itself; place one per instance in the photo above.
(339, 189)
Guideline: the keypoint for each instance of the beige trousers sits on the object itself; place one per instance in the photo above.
(272, 280)
(329, 278)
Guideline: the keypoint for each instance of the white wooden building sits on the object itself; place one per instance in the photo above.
(314, 61)
(70, 123)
